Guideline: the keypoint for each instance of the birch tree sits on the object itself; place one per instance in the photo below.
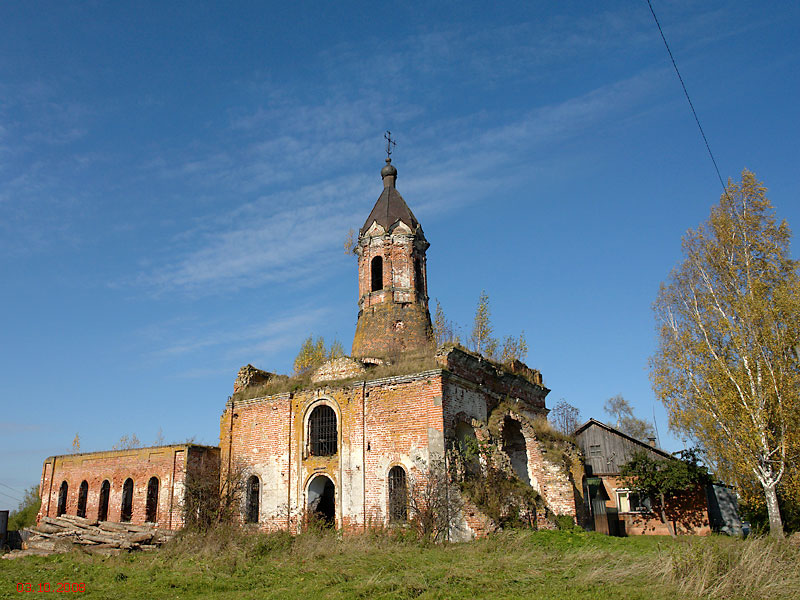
(729, 320)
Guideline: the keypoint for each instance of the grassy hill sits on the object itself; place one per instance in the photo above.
(520, 564)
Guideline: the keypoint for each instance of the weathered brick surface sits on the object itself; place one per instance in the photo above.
(381, 423)
(338, 368)
(168, 463)
(394, 319)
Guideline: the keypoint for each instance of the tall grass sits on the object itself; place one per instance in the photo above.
(758, 567)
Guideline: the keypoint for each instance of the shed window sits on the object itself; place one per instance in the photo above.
(83, 493)
(628, 501)
(398, 495)
(127, 501)
(377, 273)
(253, 487)
(322, 431)
(151, 510)
(102, 508)
(594, 450)
(62, 499)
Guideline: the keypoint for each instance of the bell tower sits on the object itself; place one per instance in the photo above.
(393, 316)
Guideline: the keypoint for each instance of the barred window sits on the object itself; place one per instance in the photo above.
(398, 495)
(322, 431)
(102, 508)
(151, 512)
(377, 273)
(83, 493)
(253, 488)
(62, 499)
(127, 501)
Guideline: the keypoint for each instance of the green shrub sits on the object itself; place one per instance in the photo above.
(25, 515)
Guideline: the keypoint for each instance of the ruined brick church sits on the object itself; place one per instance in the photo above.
(350, 442)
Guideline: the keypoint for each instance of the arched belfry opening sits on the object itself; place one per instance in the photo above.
(376, 270)
(419, 280)
(515, 448)
(322, 499)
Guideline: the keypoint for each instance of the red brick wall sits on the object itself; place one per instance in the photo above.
(687, 511)
(380, 424)
(167, 463)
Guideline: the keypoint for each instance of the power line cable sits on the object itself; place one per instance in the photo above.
(10, 496)
(9, 487)
(686, 93)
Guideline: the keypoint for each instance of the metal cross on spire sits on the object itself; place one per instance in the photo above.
(390, 143)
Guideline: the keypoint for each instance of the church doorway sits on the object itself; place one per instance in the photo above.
(322, 499)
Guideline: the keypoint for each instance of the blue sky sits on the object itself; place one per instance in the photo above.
(176, 183)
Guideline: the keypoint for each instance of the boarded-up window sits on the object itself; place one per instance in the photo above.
(377, 273)
(102, 508)
(398, 495)
(83, 494)
(253, 488)
(151, 508)
(127, 501)
(322, 431)
(62, 499)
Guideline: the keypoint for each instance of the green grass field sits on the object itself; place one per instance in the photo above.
(521, 564)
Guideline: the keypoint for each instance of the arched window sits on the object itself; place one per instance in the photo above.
(377, 273)
(62, 499)
(151, 508)
(398, 495)
(127, 501)
(322, 431)
(83, 494)
(418, 283)
(253, 488)
(102, 507)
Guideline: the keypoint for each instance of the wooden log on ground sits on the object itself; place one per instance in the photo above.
(79, 521)
(145, 536)
(47, 528)
(52, 521)
(111, 526)
(102, 539)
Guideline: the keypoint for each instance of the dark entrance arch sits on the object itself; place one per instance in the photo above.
(102, 508)
(322, 499)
